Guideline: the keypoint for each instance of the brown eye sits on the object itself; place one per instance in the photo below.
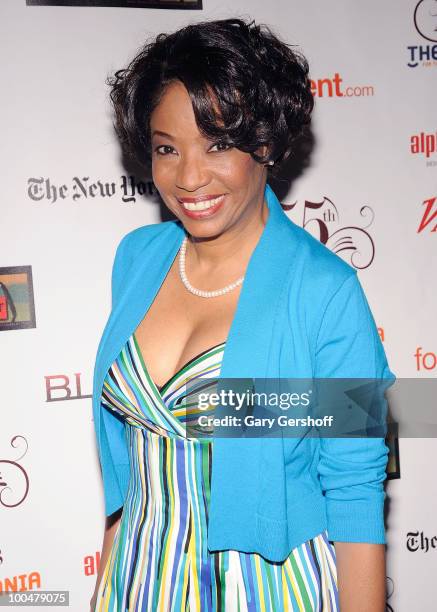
(221, 146)
(164, 149)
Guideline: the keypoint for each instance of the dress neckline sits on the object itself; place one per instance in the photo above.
(160, 388)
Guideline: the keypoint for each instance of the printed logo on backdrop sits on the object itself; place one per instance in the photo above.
(333, 87)
(425, 362)
(20, 584)
(424, 146)
(17, 308)
(167, 4)
(14, 489)
(428, 221)
(91, 564)
(14, 481)
(353, 243)
(417, 541)
(425, 23)
(43, 189)
(61, 387)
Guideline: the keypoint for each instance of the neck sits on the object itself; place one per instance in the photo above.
(231, 250)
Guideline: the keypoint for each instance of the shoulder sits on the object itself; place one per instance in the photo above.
(131, 247)
(132, 243)
(320, 272)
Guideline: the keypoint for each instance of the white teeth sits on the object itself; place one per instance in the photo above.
(201, 205)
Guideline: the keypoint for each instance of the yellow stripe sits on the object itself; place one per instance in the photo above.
(169, 539)
(294, 584)
(260, 582)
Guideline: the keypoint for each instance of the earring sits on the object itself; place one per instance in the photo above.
(270, 163)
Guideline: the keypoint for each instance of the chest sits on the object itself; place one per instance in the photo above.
(178, 326)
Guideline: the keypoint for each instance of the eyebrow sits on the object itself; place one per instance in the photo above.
(160, 133)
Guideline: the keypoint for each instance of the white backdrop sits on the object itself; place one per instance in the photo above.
(366, 166)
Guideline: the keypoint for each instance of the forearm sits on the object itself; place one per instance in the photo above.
(111, 525)
(361, 573)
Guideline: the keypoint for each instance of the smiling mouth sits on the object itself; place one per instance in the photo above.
(202, 204)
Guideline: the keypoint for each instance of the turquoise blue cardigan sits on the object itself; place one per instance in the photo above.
(301, 313)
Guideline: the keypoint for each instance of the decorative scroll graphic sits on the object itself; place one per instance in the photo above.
(14, 481)
(17, 309)
(389, 592)
(353, 243)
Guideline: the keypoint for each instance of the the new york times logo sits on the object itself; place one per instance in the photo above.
(43, 189)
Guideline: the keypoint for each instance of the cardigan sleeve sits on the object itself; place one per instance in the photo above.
(113, 451)
(352, 470)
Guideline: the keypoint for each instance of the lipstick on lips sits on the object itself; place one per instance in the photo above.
(202, 206)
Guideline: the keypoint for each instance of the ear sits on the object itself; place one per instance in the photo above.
(264, 150)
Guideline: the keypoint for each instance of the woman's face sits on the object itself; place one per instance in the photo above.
(209, 186)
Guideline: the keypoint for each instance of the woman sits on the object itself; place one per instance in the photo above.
(230, 288)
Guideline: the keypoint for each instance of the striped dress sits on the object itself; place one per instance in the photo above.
(159, 560)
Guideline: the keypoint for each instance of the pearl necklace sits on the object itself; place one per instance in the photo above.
(199, 292)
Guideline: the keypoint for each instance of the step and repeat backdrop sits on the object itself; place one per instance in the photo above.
(363, 182)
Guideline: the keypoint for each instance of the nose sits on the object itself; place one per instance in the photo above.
(192, 173)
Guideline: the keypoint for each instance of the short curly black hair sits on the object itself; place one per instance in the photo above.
(247, 87)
